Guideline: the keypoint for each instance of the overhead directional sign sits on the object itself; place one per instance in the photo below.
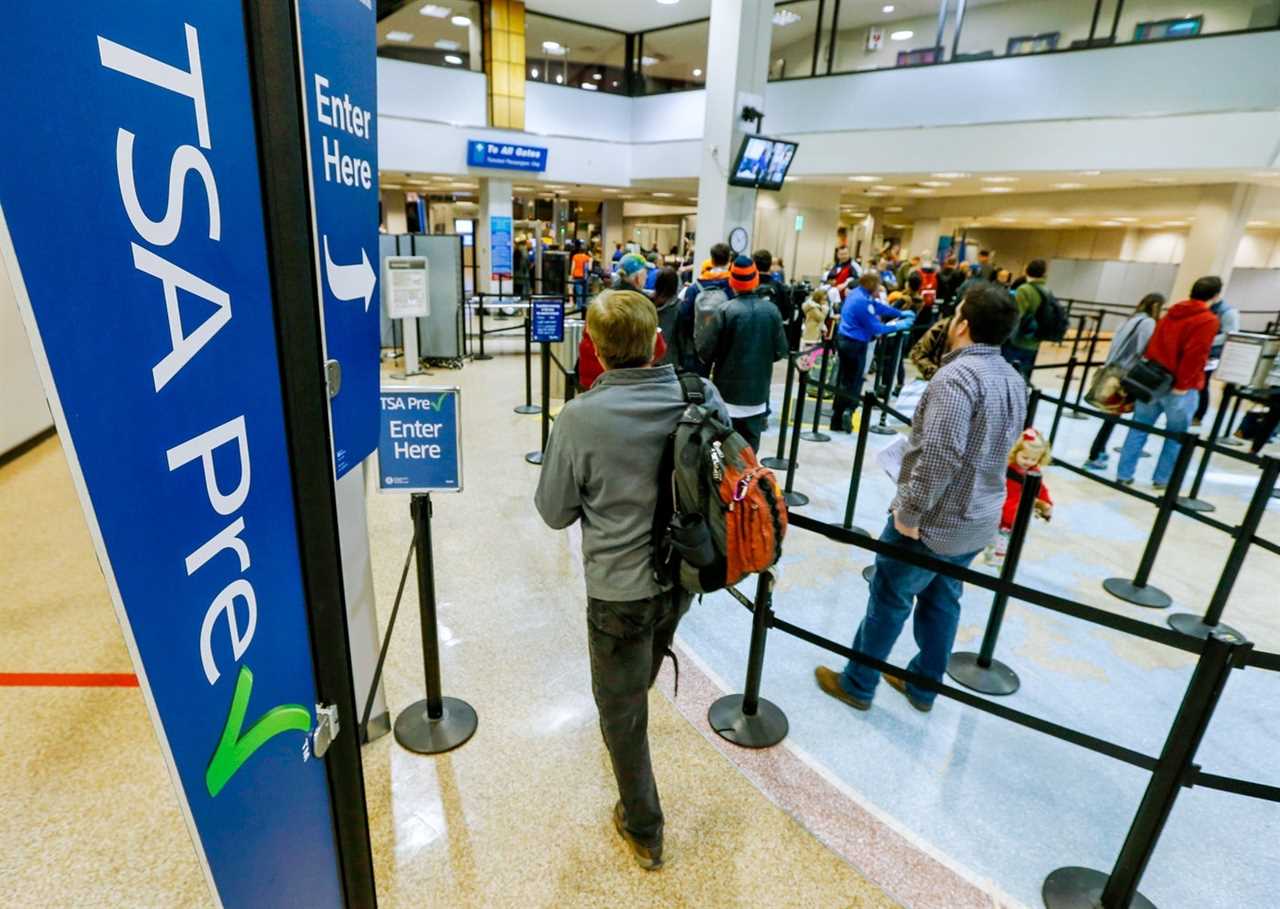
(506, 155)
(339, 82)
(420, 447)
(151, 317)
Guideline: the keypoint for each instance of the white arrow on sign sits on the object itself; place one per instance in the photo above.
(350, 282)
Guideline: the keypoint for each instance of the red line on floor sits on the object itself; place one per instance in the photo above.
(68, 680)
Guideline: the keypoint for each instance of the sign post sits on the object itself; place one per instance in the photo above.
(546, 327)
(337, 58)
(202, 464)
(420, 452)
(406, 292)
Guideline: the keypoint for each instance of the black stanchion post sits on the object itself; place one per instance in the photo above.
(1138, 591)
(1033, 404)
(1200, 627)
(544, 354)
(1084, 375)
(781, 461)
(1062, 399)
(1075, 342)
(982, 671)
(814, 435)
(885, 389)
(860, 451)
(437, 724)
(528, 406)
(1086, 888)
(480, 314)
(747, 719)
(1192, 499)
(792, 498)
(1230, 439)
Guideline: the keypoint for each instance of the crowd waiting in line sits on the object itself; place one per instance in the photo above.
(973, 336)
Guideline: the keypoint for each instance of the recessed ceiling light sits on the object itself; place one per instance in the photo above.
(1174, 224)
(610, 189)
(1126, 220)
(453, 58)
(864, 179)
(555, 48)
(785, 17)
(597, 76)
(950, 175)
(442, 44)
(887, 8)
(998, 179)
(902, 35)
(399, 36)
(1159, 180)
(883, 189)
(919, 191)
(1006, 220)
(876, 195)
(534, 72)
(559, 80)
(697, 73)
(934, 183)
(614, 83)
(1061, 220)
(1068, 186)
(591, 86)
(461, 21)
(648, 61)
(894, 208)
(1091, 173)
(434, 11)
(1108, 223)
(996, 189)
(664, 195)
(668, 2)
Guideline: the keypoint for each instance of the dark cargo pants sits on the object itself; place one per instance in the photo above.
(626, 642)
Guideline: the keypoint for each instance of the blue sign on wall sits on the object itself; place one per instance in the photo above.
(420, 446)
(340, 91)
(546, 321)
(505, 155)
(150, 313)
(500, 246)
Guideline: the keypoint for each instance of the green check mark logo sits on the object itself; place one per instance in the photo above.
(233, 748)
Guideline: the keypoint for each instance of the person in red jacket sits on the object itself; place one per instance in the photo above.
(1181, 344)
(590, 367)
(1031, 452)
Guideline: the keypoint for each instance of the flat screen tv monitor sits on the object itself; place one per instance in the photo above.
(762, 162)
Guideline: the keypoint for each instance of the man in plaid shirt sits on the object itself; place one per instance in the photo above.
(950, 492)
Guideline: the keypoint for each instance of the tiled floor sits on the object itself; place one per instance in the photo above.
(953, 810)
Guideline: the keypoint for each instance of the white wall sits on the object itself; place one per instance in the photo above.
(23, 410)
(443, 95)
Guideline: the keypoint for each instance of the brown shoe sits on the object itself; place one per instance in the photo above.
(899, 685)
(829, 682)
(647, 857)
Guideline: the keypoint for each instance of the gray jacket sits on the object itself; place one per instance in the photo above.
(741, 345)
(601, 467)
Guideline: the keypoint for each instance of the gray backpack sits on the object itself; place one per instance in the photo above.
(706, 306)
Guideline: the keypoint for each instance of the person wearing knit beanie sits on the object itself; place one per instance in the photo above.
(743, 276)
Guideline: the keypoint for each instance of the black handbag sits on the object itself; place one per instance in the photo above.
(1146, 380)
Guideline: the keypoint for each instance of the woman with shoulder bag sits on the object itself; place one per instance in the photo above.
(1127, 347)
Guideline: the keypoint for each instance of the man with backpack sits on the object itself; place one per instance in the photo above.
(951, 492)
(702, 300)
(741, 344)
(602, 467)
(1040, 318)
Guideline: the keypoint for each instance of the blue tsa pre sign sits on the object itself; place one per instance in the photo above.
(339, 82)
(546, 322)
(505, 155)
(420, 446)
(157, 347)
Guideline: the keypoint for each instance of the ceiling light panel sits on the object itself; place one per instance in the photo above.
(435, 11)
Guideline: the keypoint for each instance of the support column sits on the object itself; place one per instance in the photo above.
(495, 202)
(610, 228)
(924, 237)
(737, 69)
(504, 62)
(1221, 216)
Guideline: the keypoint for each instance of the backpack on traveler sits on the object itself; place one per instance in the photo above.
(1050, 322)
(706, 306)
(720, 515)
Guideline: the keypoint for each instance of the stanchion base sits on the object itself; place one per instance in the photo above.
(1075, 415)
(883, 430)
(1196, 504)
(528, 408)
(1081, 888)
(776, 463)
(767, 727)
(1124, 589)
(815, 437)
(418, 732)
(534, 457)
(796, 499)
(869, 572)
(482, 357)
(1193, 625)
(996, 679)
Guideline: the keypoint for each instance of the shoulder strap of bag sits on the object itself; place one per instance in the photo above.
(691, 386)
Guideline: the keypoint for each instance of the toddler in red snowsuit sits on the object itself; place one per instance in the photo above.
(1031, 452)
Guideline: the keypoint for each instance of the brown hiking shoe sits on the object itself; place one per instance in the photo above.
(899, 685)
(647, 857)
(829, 682)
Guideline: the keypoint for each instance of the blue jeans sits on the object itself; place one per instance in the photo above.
(1177, 410)
(580, 292)
(894, 587)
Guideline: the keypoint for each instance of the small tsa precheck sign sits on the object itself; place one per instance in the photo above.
(420, 443)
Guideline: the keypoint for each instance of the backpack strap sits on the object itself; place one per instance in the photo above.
(691, 385)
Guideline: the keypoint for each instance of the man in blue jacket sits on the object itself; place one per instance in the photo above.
(860, 324)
